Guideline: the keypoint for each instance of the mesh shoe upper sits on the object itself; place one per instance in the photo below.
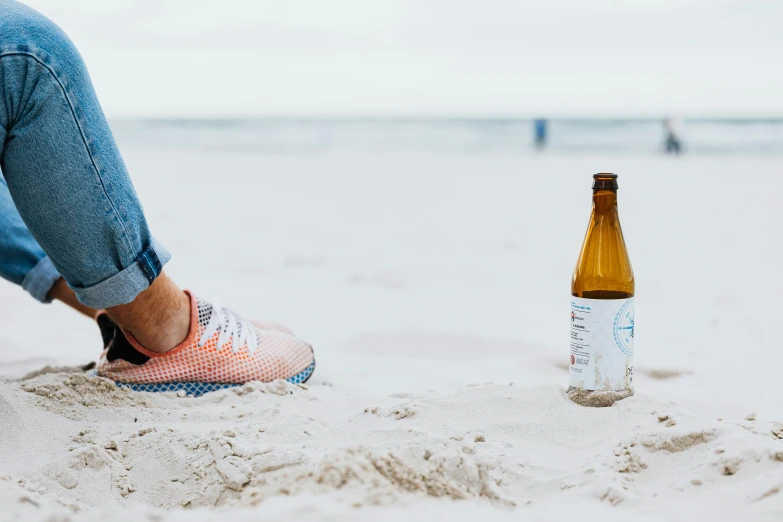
(234, 350)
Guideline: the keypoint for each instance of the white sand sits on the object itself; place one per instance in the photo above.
(435, 290)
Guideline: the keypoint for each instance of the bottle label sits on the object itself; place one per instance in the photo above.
(601, 344)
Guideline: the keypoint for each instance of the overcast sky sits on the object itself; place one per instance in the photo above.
(429, 57)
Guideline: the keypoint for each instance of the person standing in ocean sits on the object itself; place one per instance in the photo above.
(540, 133)
(672, 141)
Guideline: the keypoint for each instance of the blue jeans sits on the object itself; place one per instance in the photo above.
(67, 204)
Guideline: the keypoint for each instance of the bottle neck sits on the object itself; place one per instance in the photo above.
(604, 201)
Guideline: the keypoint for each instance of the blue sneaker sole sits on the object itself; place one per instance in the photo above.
(197, 389)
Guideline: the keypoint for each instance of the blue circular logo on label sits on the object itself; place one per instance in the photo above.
(623, 328)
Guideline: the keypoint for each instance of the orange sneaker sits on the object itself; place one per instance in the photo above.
(222, 350)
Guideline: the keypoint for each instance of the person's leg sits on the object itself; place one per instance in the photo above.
(23, 262)
(70, 186)
(68, 180)
(62, 292)
(159, 318)
(62, 168)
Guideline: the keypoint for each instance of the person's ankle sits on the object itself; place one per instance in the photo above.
(159, 318)
(62, 292)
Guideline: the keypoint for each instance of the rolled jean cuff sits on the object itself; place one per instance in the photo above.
(39, 281)
(124, 286)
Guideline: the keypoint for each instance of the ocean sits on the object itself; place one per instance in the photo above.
(454, 136)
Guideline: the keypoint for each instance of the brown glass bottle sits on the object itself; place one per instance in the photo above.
(602, 290)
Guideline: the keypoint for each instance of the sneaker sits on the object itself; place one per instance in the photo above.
(222, 350)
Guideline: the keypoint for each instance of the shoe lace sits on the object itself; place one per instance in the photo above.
(232, 328)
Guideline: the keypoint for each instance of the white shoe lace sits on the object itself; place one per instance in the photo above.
(233, 328)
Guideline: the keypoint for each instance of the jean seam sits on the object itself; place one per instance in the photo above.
(85, 141)
(155, 261)
(149, 263)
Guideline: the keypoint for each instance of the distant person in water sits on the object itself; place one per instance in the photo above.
(672, 141)
(72, 229)
(540, 132)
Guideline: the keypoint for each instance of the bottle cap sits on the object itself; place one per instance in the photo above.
(604, 181)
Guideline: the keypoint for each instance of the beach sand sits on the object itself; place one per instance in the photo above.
(435, 289)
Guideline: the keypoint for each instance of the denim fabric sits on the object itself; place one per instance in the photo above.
(64, 173)
(22, 261)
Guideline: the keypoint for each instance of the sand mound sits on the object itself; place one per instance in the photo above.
(64, 390)
(598, 399)
(225, 469)
(377, 476)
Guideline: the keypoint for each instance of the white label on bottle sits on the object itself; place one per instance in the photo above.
(601, 344)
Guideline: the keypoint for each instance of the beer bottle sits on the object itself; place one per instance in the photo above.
(602, 290)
